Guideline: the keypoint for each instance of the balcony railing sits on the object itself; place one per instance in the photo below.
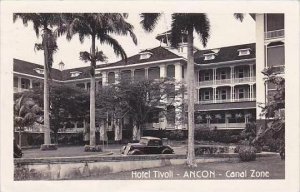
(226, 100)
(274, 34)
(227, 81)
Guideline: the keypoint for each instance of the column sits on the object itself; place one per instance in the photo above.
(146, 72)
(232, 93)
(232, 74)
(30, 83)
(132, 74)
(214, 75)
(163, 71)
(117, 77)
(260, 64)
(163, 118)
(251, 72)
(214, 94)
(178, 97)
(104, 78)
(19, 84)
(85, 85)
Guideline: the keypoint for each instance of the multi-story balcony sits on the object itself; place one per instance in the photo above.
(227, 81)
(274, 34)
(226, 100)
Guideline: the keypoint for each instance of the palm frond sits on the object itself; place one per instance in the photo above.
(118, 49)
(149, 21)
(239, 16)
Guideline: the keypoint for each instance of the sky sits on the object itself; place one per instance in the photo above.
(225, 30)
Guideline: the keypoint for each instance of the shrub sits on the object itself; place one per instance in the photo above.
(247, 153)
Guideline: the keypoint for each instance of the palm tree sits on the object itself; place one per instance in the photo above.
(26, 113)
(100, 26)
(187, 23)
(44, 22)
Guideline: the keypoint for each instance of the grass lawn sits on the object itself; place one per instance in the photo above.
(262, 168)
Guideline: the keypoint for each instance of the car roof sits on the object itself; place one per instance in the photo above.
(151, 138)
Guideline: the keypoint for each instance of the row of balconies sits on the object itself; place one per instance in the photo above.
(227, 81)
(225, 100)
(274, 34)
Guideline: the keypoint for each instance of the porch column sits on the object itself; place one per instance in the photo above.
(146, 73)
(214, 75)
(232, 74)
(232, 93)
(178, 97)
(251, 72)
(163, 118)
(19, 84)
(117, 77)
(163, 71)
(85, 85)
(30, 83)
(104, 78)
(132, 74)
(214, 94)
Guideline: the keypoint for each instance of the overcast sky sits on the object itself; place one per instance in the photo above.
(225, 31)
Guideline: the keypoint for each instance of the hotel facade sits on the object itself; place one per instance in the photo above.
(229, 84)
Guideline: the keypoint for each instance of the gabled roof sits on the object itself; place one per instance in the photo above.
(29, 69)
(229, 53)
(158, 53)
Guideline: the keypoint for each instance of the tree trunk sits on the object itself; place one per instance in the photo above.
(190, 87)
(92, 97)
(47, 138)
(136, 132)
(20, 137)
(118, 134)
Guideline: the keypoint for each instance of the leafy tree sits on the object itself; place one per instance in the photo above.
(44, 22)
(274, 109)
(26, 113)
(137, 100)
(187, 23)
(97, 26)
(67, 102)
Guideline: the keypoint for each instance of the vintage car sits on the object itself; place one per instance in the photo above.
(147, 145)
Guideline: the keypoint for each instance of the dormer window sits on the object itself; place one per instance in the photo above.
(75, 73)
(145, 55)
(244, 51)
(39, 70)
(209, 56)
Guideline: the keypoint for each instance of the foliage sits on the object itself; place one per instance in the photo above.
(274, 110)
(26, 112)
(247, 153)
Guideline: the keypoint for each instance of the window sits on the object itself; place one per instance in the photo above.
(209, 56)
(25, 83)
(75, 73)
(275, 55)
(206, 95)
(153, 73)
(223, 74)
(274, 22)
(111, 77)
(36, 84)
(241, 73)
(243, 52)
(139, 74)
(217, 94)
(206, 76)
(170, 71)
(241, 93)
(145, 55)
(223, 94)
(39, 71)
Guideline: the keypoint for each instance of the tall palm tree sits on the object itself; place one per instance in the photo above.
(97, 26)
(187, 23)
(44, 22)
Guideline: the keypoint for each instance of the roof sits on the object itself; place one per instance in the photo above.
(158, 53)
(28, 68)
(229, 53)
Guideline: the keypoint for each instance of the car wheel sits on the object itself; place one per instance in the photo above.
(135, 152)
(166, 151)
